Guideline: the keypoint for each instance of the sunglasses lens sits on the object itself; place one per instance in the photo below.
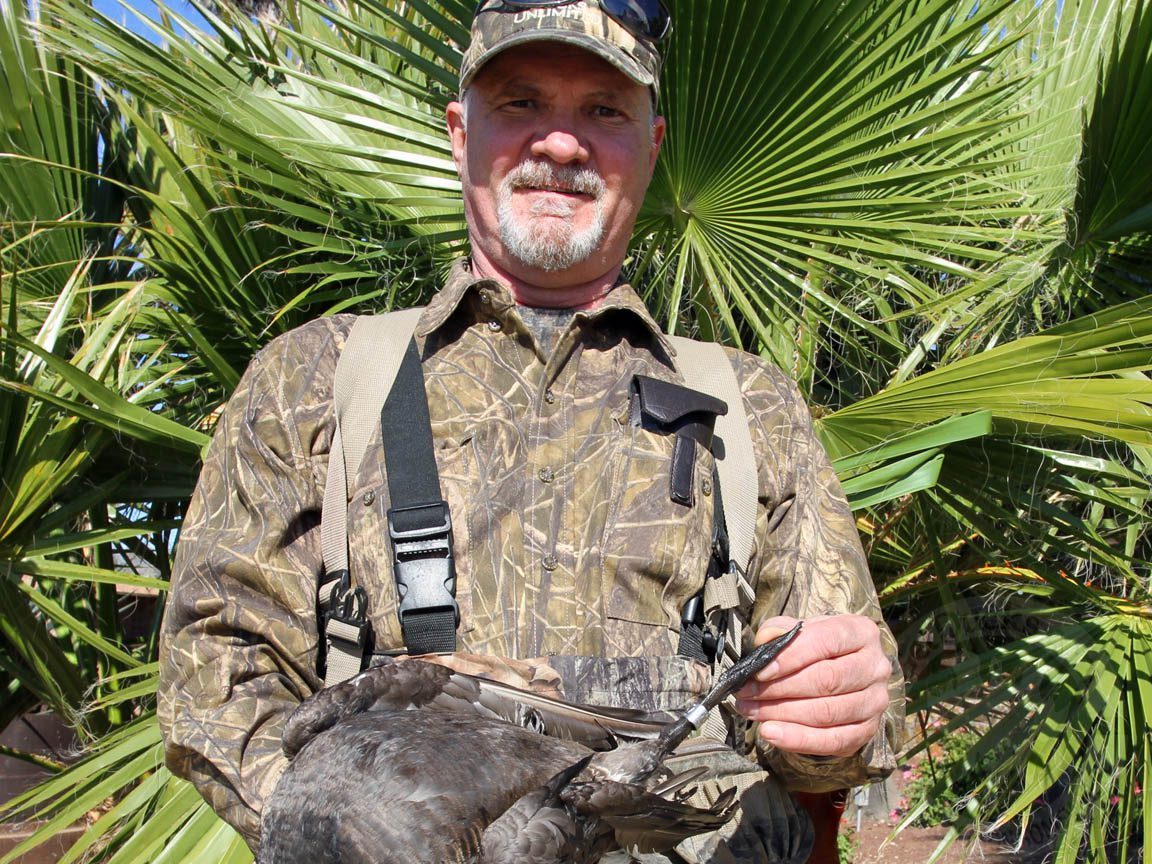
(647, 19)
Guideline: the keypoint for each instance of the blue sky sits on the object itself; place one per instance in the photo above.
(116, 9)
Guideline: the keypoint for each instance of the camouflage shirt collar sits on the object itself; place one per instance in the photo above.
(461, 283)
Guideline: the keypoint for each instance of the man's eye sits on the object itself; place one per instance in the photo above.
(607, 112)
(519, 104)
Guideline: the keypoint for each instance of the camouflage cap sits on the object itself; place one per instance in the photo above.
(583, 24)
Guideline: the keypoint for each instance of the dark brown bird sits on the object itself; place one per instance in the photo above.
(413, 762)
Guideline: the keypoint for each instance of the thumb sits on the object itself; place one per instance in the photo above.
(770, 628)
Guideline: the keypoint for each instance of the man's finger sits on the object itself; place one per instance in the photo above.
(821, 713)
(833, 677)
(837, 741)
(821, 639)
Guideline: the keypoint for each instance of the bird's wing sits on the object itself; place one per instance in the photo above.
(392, 787)
(597, 727)
(538, 828)
(395, 687)
(406, 686)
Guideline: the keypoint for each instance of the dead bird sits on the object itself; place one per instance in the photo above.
(416, 763)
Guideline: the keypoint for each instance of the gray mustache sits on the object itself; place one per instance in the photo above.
(583, 181)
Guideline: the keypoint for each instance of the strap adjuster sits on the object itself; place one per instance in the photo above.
(346, 624)
(422, 561)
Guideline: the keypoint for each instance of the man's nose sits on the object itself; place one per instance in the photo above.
(562, 146)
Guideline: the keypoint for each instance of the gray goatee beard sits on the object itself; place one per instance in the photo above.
(550, 244)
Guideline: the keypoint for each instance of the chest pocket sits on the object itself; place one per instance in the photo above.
(658, 538)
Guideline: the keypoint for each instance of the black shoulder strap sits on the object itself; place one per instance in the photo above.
(365, 375)
(419, 525)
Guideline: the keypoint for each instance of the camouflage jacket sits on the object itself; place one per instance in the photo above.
(569, 552)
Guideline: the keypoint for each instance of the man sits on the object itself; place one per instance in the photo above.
(573, 563)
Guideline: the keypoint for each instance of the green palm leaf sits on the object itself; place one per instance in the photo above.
(1081, 723)
(805, 180)
(159, 817)
(901, 203)
(1082, 378)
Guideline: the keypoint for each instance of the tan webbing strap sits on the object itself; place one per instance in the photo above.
(715, 724)
(334, 516)
(364, 375)
(343, 655)
(705, 366)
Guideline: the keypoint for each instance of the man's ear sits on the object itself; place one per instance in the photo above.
(659, 127)
(457, 133)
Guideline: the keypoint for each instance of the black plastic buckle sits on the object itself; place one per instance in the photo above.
(422, 561)
(692, 615)
(693, 611)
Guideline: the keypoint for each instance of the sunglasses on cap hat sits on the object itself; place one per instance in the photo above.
(645, 19)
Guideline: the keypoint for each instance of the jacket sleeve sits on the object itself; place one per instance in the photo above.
(810, 562)
(239, 639)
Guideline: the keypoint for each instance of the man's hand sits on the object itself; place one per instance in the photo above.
(825, 695)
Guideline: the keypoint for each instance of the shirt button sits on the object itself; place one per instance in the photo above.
(368, 498)
(546, 475)
(550, 563)
(549, 396)
(495, 326)
(706, 487)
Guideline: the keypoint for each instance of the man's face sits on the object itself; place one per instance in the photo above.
(555, 148)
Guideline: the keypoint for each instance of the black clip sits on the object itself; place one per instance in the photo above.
(693, 611)
(348, 605)
(711, 641)
(422, 561)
